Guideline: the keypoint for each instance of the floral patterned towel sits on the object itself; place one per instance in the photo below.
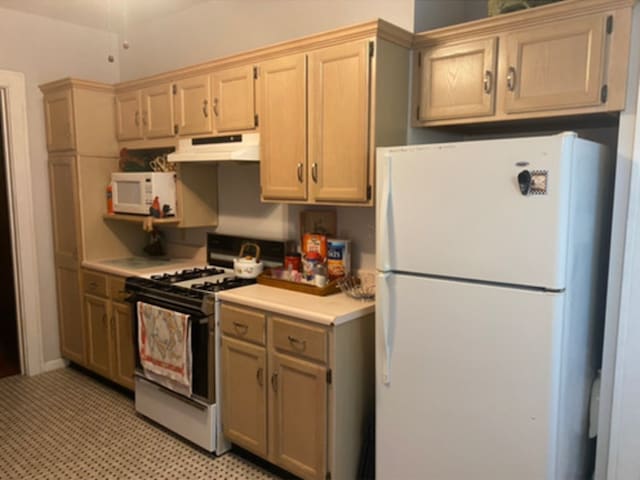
(164, 343)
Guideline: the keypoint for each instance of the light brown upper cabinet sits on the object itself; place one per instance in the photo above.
(145, 113)
(60, 127)
(458, 80)
(555, 60)
(128, 115)
(557, 66)
(282, 96)
(193, 105)
(318, 122)
(157, 111)
(234, 99)
(339, 82)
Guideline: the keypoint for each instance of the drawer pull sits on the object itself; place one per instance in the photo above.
(259, 376)
(274, 381)
(297, 343)
(93, 285)
(241, 328)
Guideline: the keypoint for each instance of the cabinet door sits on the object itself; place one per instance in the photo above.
(554, 67)
(282, 106)
(63, 180)
(244, 407)
(157, 111)
(123, 344)
(193, 105)
(70, 324)
(98, 335)
(234, 99)
(128, 115)
(339, 122)
(58, 114)
(299, 416)
(457, 81)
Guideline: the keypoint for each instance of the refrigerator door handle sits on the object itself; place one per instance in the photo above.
(384, 225)
(385, 306)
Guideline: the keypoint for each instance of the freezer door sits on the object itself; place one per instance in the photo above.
(457, 210)
(467, 381)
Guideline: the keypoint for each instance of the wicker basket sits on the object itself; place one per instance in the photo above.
(496, 7)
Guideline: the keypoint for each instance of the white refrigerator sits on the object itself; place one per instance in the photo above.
(491, 259)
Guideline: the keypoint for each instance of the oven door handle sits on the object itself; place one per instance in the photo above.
(162, 303)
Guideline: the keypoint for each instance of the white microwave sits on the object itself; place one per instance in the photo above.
(135, 192)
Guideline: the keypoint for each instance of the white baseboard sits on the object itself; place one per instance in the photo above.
(54, 364)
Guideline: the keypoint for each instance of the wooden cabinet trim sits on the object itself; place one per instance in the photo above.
(375, 28)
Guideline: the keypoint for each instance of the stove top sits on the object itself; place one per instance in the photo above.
(193, 283)
(188, 274)
(196, 283)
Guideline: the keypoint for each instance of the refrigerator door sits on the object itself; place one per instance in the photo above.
(457, 210)
(471, 381)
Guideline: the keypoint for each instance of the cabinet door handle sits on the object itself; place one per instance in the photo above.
(274, 381)
(104, 320)
(205, 108)
(93, 285)
(144, 118)
(300, 179)
(137, 118)
(259, 376)
(215, 106)
(297, 343)
(511, 79)
(241, 328)
(488, 81)
(314, 172)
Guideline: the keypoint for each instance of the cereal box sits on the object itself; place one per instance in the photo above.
(338, 257)
(314, 242)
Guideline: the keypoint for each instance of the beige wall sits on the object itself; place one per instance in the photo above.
(222, 27)
(46, 50)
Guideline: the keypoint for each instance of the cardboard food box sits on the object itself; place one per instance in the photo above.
(314, 242)
(338, 257)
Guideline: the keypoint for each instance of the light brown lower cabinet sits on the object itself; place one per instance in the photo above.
(297, 393)
(108, 327)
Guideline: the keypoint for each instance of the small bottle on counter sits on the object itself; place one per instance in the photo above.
(110, 199)
(320, 275)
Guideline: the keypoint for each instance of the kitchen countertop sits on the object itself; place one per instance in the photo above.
(330, 310)
(133, 265)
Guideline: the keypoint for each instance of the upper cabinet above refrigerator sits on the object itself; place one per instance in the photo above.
(554, 60)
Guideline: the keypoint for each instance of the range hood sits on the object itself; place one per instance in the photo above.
(228, 148)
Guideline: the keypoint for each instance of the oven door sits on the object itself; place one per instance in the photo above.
(202, 338)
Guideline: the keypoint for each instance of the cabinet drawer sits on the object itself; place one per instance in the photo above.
(94, 283)
(243, 323)
(116, 289)
(300, 339)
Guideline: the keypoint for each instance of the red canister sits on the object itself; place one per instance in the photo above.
(292, 262)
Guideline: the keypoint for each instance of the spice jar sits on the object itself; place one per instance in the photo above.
(320, 275)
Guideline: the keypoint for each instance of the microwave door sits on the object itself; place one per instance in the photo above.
(129, 196)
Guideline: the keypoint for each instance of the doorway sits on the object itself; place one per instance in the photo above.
(9, 346)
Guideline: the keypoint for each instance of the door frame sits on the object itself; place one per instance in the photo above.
(25, 258)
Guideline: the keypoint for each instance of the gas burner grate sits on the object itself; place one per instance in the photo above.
(187, 274)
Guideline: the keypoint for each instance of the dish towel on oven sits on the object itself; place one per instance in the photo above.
(164, 343)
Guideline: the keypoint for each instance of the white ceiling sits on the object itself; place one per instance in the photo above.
(111, 15)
